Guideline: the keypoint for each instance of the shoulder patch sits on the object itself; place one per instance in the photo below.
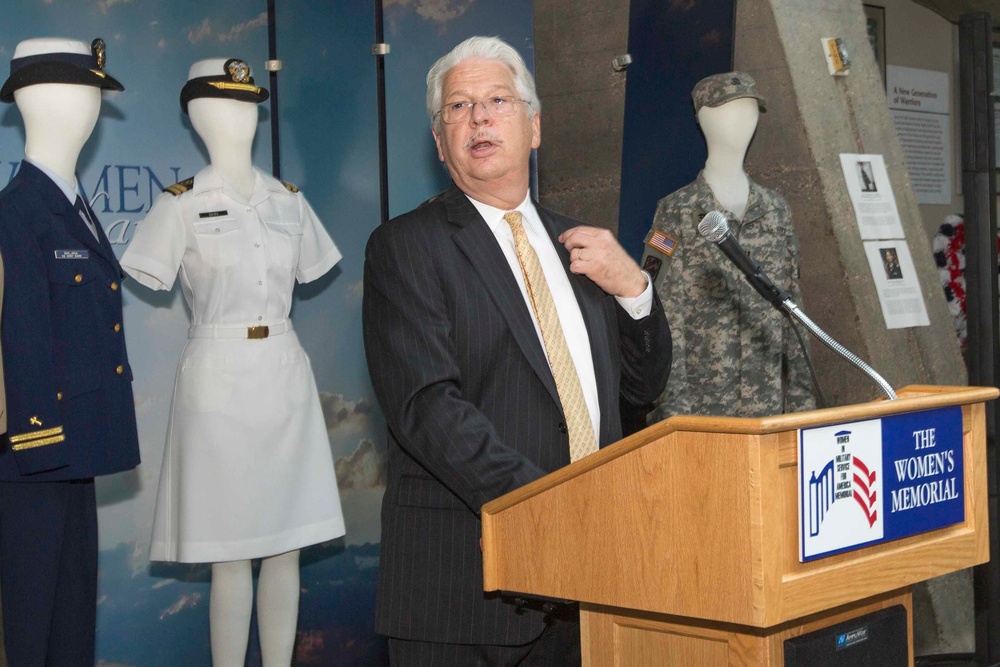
(290, 187)
(652, 266)
(180, 188)
(660, 241)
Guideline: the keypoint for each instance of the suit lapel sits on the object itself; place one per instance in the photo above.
(588, 297)
(477, 242)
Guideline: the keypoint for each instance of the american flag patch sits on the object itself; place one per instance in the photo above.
(662, 242)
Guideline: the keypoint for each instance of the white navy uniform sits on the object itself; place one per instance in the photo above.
(247, 470)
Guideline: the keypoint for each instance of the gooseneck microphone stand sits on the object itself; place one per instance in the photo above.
(715, 228)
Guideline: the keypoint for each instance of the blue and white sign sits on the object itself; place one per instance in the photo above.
(877, 480)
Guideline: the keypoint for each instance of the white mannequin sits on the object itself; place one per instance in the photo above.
(728, 129)
(58, 117)
(227, 128)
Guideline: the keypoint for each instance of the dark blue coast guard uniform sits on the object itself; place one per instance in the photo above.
(71, 417)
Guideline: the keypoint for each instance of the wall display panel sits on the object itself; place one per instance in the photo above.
(157, 614)
(673, 46)
(142, 143)
(419, 32)
(329, 149)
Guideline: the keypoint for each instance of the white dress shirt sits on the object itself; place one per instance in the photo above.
(567, 307)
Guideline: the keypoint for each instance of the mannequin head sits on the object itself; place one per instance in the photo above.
(221, 98)
(225, 119)
(224, 125)
(730, 126)
(727, 106)
(58, 93)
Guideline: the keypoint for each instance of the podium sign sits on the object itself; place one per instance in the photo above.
(875, 480)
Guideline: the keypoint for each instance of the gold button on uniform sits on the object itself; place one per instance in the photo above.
(120, 370)
(118, 327)
(58, 395)
(78, 278)
(114, 286)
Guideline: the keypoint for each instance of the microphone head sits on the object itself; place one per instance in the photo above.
(714, 226)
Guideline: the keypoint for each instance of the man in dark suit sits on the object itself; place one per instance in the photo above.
(482, 387)
(70, 411)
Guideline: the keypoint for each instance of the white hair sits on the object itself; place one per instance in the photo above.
(483, 48)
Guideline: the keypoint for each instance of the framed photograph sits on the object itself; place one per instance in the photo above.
(875, 22)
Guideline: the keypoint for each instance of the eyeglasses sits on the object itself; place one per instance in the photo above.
(498, 105)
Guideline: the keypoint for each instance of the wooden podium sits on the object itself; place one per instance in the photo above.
(681, 541)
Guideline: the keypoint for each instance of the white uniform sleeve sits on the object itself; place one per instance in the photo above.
(154, 255)
(318, 253)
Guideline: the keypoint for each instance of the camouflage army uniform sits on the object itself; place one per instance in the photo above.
(734, 354)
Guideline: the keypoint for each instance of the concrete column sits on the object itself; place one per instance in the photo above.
(583, 106)
(812, 117)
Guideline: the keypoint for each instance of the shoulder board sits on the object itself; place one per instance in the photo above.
(290, 187)
(180, 188)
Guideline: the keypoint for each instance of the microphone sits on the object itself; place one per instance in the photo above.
(715, 228)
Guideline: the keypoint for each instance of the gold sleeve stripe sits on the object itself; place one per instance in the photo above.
(38, 443)
(37, 434)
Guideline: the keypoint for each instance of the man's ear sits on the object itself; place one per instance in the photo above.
(437, 142)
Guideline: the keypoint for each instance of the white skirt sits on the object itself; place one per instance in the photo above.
(247, 469)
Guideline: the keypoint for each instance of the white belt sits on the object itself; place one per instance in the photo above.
(233, 331)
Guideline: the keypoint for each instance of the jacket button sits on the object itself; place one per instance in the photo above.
(562, 427)
(114, 286)
(120, 370)
(58, 395)
(118, 327)
(78, 278)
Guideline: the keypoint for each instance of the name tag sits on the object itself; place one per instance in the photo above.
(72, 254)
(213, 214)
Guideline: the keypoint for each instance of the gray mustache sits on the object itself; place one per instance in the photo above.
(481, 135)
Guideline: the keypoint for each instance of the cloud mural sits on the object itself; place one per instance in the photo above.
(440, 11)
(239, 30)
(155, 615)
(234, 33)
(339, 413)
(200, 32)
(363, 470)
(105, 5)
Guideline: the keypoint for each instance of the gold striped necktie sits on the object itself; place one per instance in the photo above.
(581, 429)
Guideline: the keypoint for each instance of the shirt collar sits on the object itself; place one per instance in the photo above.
(707, 201)
(210, 179)
(71, 191)
(494, 216)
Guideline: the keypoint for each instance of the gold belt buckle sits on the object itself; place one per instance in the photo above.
(257, 332)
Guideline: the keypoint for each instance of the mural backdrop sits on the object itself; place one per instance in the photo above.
(157, 615)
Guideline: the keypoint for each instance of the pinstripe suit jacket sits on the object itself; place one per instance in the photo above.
(472, 409)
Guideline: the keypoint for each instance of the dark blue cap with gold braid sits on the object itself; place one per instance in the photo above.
(37, 61)
(229, 80)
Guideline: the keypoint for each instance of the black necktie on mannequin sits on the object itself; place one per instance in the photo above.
(87, 216)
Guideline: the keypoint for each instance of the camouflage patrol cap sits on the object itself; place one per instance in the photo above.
(715, 90)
